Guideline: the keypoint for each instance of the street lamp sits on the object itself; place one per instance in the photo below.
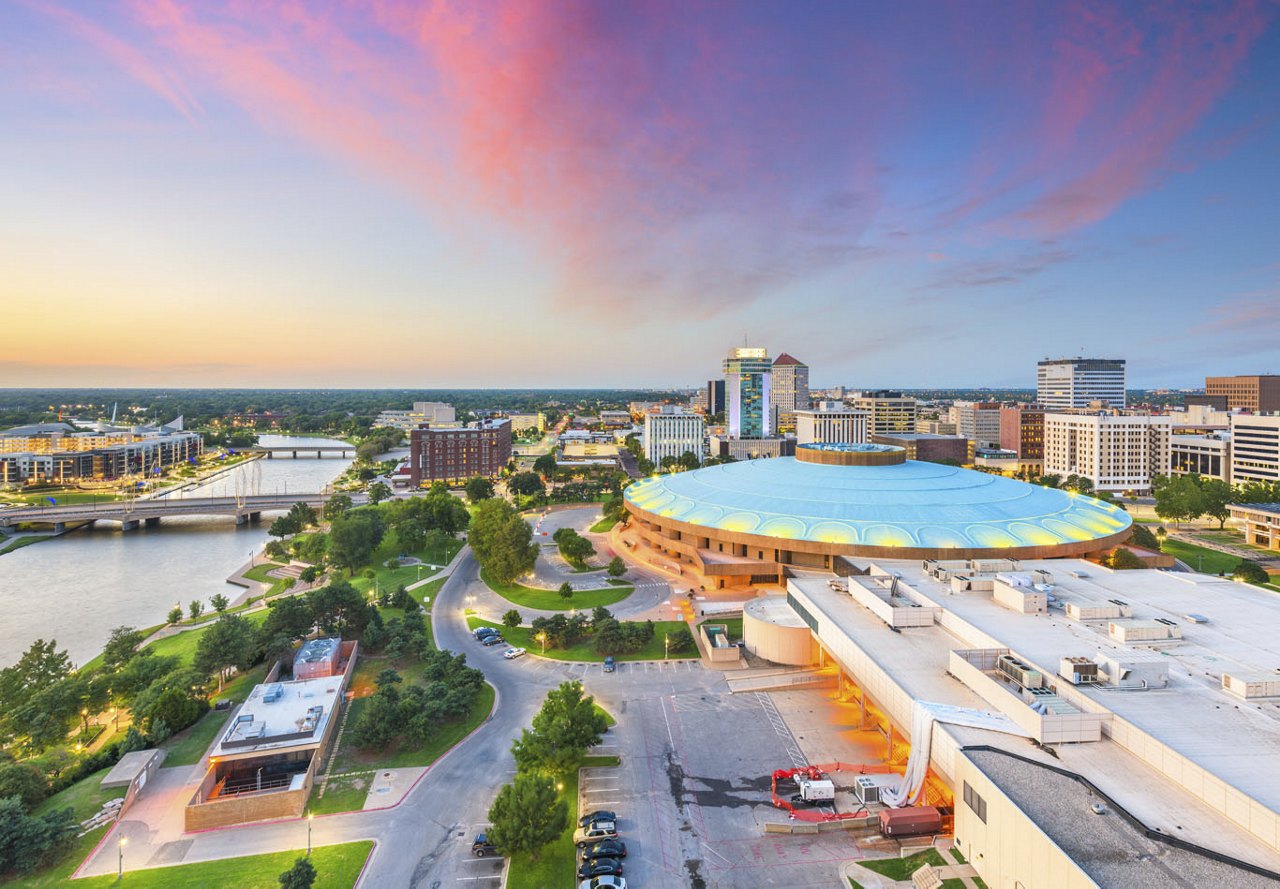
(310, 818)
(542, 637)
(666, 645)
(120, 862)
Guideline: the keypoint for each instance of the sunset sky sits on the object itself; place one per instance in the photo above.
(612, 193)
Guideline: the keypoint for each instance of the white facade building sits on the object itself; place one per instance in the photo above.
(978, 421)
(1255, 448)
(838, 426)
(1066, 383)
(671, 432)
(1208, 456)
(1117, 452)
(434, 413)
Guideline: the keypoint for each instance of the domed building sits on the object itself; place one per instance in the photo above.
(740, 523)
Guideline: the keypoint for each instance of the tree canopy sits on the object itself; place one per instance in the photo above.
(526, 815)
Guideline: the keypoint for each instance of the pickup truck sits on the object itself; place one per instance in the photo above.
(482, 847)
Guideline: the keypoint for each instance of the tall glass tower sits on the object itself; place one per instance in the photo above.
(748, 376)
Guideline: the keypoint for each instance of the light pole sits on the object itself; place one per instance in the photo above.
(120, 861)
(542, 637)
(310, 818)
(666, 645)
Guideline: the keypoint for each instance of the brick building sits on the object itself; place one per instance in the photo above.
(455, 455)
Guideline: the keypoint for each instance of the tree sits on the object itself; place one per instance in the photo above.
(309, 574)
(1248, 571)
(24, 781)
(219, 602)
(336, 506)
(689, 460)
(479, 488)
(27, 841)
(576, 548)
(122, 646)
(1143, 537)
(40, 667)
(177, 708)
(545, 466)
(526, 484)
(526, 815)
(563, 730)
(681, 639)
(1178, 498)
(284, 526)
(1216, 495)
(353, 538)
(617, 567)
(566, 590)
(175, 614)
(379, 491)
(195, 608)
(511, 619)
(411, 536)
(301, 876)
(231, 642)
(304, 514)
(290, 617)
(1124, 559)
(340, 609)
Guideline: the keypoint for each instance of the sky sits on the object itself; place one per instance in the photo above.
(529, 194)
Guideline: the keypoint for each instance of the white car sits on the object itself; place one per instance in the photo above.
(512, 653)
(603, 883)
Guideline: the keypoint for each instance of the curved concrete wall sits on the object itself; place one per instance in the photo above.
(792, 646)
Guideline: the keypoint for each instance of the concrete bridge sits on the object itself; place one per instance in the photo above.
(131, 513)
(320, 450)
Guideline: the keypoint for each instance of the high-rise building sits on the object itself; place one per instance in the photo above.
(459, 453)
(715, 396)
(1022, 431)
(748, 383)
(888, 413)
(1066, 383)
(1255, 448)
(670, 432)
(790, 388)
(978, 421)
(1116, 451)
(833, 426)
(1255, 393)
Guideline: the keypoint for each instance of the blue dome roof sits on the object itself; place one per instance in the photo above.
(909, 505)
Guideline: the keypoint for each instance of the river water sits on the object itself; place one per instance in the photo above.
(75, 588)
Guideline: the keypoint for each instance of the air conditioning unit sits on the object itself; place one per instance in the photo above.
(1020, 672)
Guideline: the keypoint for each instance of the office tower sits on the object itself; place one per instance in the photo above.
(888, 413)
(1117, 452)
(1255, 393)
(1255, 449)
(1066, 383)
(670, 432)
(715, 396)
(833, 426)
(979, 422)
(790, 387)
(1022, 431)
(748, 380)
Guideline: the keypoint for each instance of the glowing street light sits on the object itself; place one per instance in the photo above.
(120, 862)
(542, 637)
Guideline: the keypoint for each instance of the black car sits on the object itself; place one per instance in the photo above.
(482, 847)
(495, 639)
(605, 849)
(598, 815)
(482, 632)
(600, 867)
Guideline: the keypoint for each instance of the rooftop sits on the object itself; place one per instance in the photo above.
(909, 505)
(1273, 508)
(281, 715)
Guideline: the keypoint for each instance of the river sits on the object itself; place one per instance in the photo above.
(77, 587)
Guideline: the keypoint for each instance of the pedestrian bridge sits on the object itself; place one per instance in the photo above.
(130, 513)
(297, 451)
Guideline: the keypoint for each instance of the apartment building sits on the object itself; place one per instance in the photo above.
(459, 453)
(1022, 431)
(1116, 451)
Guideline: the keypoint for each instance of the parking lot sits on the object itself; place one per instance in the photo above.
(692, 793)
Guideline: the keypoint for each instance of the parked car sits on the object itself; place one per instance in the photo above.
(481, 846)
(594, 833)
(605, 849)
(495, 639)
(481, 632)
(609, 665)
(597, 815)
(512, 653)
(603, 883)
(601, 867)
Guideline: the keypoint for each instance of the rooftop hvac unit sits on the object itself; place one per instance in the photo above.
(1079, 575)
(1022, 673)
(1078, 670)
(1252, 685)
(1194, 618)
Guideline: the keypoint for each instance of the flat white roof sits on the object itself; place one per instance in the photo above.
(774, 610)
(267, 722)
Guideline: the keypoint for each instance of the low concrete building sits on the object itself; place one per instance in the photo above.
(930, 448)
(1260, 523)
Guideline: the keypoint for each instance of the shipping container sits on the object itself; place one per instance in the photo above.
(911, 821)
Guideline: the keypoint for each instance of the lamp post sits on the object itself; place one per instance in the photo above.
(310, 818)
(120, 860)
(666, 645)
(542, 637)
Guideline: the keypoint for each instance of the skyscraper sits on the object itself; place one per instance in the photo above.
(1255, 393)
(748, 380)
(790, 388)
(715, 396)
(1066, 383)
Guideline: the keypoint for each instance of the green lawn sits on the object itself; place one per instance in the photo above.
(390, 578)
(336, 868)
(184, 644)
(63, 497)
(1214, 562)
(903, 868)
(84, 798)
(187, 746)
(602, 526)
(342, 795)
(351, 759)
(1231, 538)
(20, 543)
(522, 637)
(734, 625)
(549, 600)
